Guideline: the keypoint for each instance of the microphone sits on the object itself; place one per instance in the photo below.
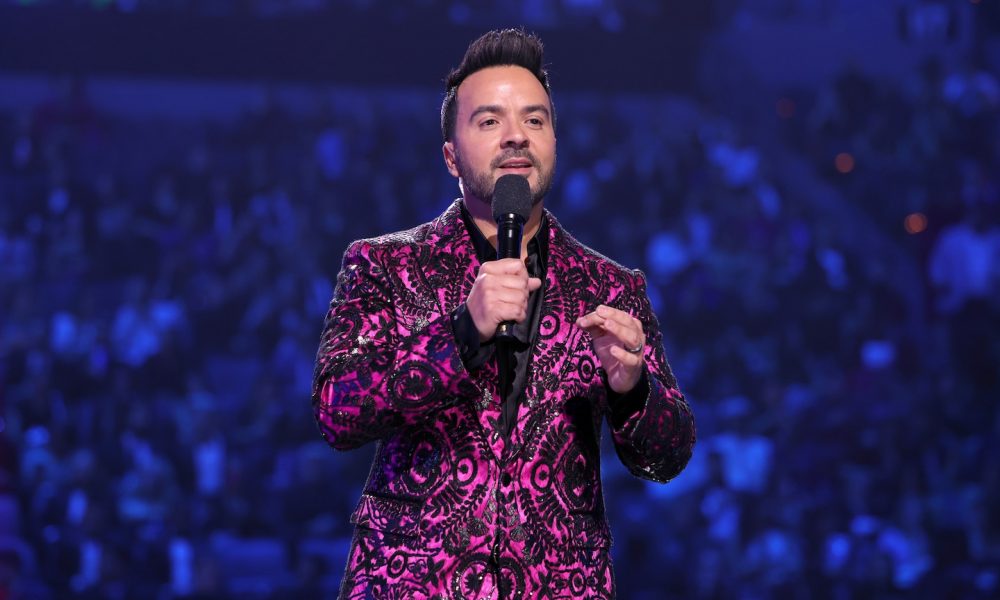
(511, 208)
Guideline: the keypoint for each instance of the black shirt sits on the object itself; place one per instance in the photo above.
(512, 357)
(513, 360)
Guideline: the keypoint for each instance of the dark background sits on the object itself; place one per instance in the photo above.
(810, 185)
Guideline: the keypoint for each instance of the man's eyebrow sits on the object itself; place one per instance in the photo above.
(536, 108)
(496, 108)
(486, 108)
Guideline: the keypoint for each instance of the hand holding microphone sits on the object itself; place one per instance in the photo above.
(499, 297)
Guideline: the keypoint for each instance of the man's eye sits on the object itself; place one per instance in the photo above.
(536, 121)
(489, 122)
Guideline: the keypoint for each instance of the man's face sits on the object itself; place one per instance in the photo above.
(503, 126)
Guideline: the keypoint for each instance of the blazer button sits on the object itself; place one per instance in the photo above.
(505, 479)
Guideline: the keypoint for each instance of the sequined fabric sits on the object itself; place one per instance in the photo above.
(451, 509)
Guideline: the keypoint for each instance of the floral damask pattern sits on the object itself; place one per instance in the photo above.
(452, 509)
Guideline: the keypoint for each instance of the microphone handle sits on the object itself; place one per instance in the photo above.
(510, 228)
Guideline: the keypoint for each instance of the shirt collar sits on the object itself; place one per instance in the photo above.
(538, 246)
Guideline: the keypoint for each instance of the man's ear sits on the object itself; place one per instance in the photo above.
(448, 150)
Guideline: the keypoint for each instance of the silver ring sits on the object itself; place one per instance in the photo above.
(637, 349)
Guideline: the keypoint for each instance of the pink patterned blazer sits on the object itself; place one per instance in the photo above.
(452, 509)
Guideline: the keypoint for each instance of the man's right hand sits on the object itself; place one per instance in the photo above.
(500, 294)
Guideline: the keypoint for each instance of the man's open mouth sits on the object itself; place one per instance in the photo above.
(518, 163)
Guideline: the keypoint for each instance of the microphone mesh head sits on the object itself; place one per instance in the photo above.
(512, 194)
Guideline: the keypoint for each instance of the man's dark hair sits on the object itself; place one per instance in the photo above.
(498, 48)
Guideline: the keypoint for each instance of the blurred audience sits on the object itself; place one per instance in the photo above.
(162, 285)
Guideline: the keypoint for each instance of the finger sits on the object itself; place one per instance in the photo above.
(625, 334)
(589, 320)
(619, 316)
(505, 266)
(510, 296)
(514, 282)
(510, 311)
(625, 357)
(596, 333)
(534, 283)
(629, 323)
(601, 337)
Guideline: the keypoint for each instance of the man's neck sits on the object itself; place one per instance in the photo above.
(482, 215)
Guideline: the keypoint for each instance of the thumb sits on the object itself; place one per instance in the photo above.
(534, 283)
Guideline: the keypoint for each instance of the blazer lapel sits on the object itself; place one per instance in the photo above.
(557, 354)
(450, 269)
(450, 265)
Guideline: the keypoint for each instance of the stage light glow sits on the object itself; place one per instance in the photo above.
(844, 162)
(915, 223)
(785, 107)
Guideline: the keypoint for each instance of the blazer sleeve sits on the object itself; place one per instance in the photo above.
(655, 436)
(374, 375)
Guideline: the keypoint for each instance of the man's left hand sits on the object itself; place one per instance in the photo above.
(618, 342)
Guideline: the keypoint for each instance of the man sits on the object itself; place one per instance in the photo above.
(486, 478)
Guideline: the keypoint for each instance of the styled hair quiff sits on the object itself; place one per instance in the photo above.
(497, 48)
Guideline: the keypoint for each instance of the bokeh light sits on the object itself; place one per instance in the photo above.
(915, 223)
(174, 209)
(844, 162)
(785, 107)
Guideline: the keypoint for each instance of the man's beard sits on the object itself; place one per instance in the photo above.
(480, 183)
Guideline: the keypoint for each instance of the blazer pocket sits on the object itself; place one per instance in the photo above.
(389, 515)
(590, 531)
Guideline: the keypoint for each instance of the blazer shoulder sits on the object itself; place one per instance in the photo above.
(442, 229)
(388, 243)
(592, 258)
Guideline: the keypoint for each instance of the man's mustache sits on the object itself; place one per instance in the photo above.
(514, 154)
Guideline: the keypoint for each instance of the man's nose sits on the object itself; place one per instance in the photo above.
(513, 136)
